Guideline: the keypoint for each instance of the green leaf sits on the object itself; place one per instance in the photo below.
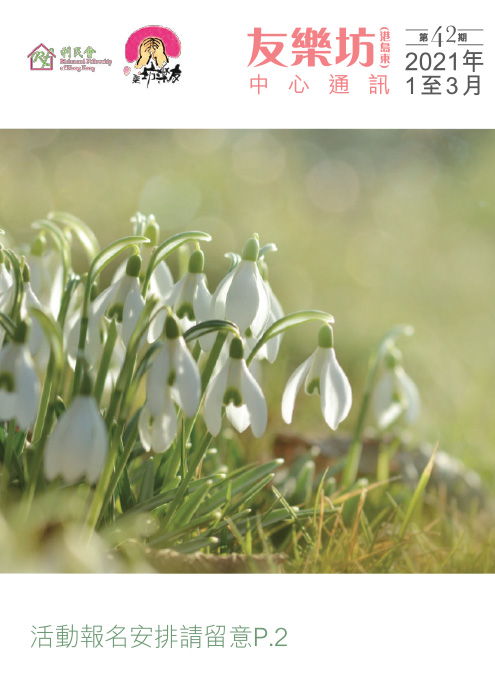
(418, 492)
(191, 504)
(285, 323)
(86, 236)
(110, 253)
(146, 490)
(241, 483)
(169, 246)
(213, 326)
(268, 248)
(7, 323)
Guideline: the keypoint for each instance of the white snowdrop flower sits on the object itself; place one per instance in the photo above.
(38, 344)
(158, 432)
(322, 374)
(161, 280)
(173, 379)
(173, 374)
(19, 385)
(189, 299)
(78, 445)
(122, 300)
(235, 388)
(396, 397)
(242, 296)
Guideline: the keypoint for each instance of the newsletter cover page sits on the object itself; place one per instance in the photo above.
(246, 349)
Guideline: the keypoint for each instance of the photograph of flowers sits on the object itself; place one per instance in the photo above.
(263, 351)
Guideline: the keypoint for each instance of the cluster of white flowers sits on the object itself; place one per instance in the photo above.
(101, 334)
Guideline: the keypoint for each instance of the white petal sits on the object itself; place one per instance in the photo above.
(188, 379)
(164, 429)
(411, 395)
(65, 449)
(5, 279)
(272, 347)
(292, 388)
(99, 306)
(254, 400)
(243, 297)
(31, 301)
(28, 391)
(6, 301)
(8, 404)
(383, 398)
(219, 298)
(201, 299)
(156, 326)
(335, 390)
(177, 290)
(315, 369)
(390, 415)
(144, 428)
(98, 447)
(156, 381)
(119, 272)
(260, 320)
(161, 281)
(238, 416)
(133, 307)
(214, 400)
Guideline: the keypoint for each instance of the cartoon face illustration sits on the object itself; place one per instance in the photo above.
(153, 42)
(151, 48)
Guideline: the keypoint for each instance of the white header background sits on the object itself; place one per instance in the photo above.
(214, 89)
(349, 636)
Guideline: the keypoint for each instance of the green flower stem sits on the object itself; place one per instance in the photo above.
(9, 444)
(105, 360)
(118, 471)
(283, 324)
(123, 381)
(19, 285)
(173, 465)
(191, 470)
(81, 346)
(103, 484)
(167, 248)
(97, 266)
(354, 455)
(44, 401)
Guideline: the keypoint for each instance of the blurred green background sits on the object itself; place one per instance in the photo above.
(376, 227)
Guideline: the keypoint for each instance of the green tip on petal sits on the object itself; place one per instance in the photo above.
(26, 273)
(38, 246)
(21, 332)
(251, 249)
(172, 329)
(393, 358)
(152, 231)
(86, 385)
(236, 349)
(2, 257)
(94, 292)
(325, 337)
(197, 262)
(133, 267)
